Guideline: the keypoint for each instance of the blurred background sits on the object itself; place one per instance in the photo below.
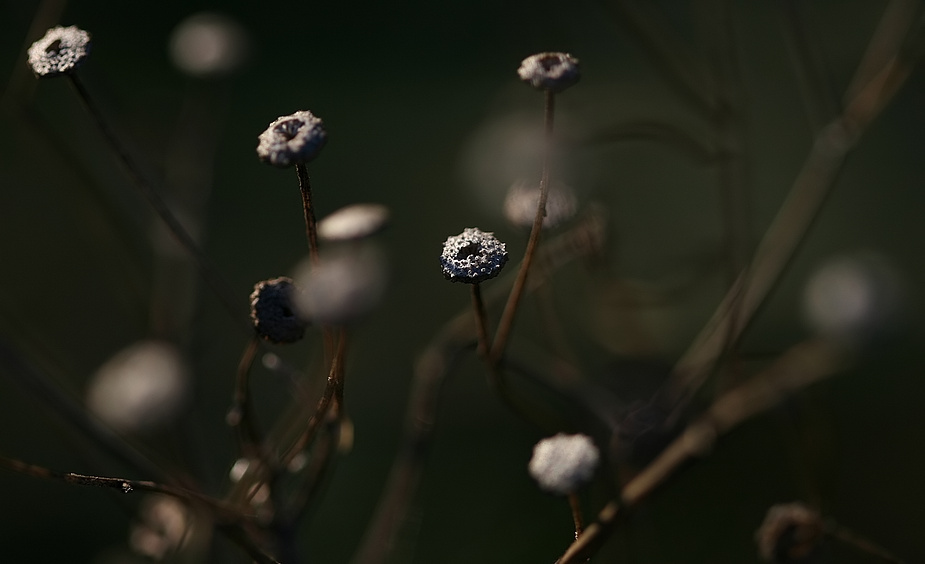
(425, 115)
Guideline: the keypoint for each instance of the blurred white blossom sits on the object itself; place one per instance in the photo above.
(140, 389)
(344, 285)
(563, 463)
(209, 45)
(854, 299)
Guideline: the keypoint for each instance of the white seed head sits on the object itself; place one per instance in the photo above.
(854, 299)
(141, 388)
(523, 198)
(343, 286)
(550, 71)
(60, 51)
(164, 526)
(563, 463)
(207, 45)
(293, 139)
(353, 222)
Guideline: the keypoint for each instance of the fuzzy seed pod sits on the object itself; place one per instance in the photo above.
(273, 312)
(791, 533)
(293, 139)
(550, 71)
(563, 463)
(60, 51)
(141, 389)
(356, 221)
(209, 45)
(345, 284)
(472, 256)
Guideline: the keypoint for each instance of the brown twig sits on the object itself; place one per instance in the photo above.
(575, 505)
(789, 228)
(801, 366)
(225, 512)
(858, 542)
(241, 415)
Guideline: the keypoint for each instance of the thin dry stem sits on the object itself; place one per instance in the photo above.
(575, 505)
(787, 231)
(801, 366)
(225, 512)
(860, 543)
(241, 415)
(510, 308)
(481, 321)
(207, 270)
(308, 209)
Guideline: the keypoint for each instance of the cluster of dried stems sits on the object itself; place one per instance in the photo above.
(315, 424)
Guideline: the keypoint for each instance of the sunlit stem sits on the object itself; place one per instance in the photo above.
(311, 232)
(510, 308)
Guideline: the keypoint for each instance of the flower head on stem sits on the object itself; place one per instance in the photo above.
(273, 312)
(551, 71)
(472, 256)
(293, 139)
(60, 51)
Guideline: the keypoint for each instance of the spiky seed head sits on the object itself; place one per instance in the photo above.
(551, 71)
(60, 51)
(274, 313)
(472, 256)
(293, 139)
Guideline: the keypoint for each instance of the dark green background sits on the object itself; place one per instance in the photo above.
(403, 87)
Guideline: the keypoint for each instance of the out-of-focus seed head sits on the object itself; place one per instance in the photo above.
(60, 51)
(523, 198)
(343, 286)
(293, 139)
(550, 71)
(472, 256)
(791, 533)
(274, 313)
(855, 299)
(208, 45)
(165, 527)
(140, 389)
(353, 222)
(563, 463)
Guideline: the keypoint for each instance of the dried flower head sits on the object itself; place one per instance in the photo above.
(790, 533)
(209, 45)
(164, 527)
(274, 313)
(522, 199)
(353, 222)
(563, 463)
(472, 256)
(344, 285)
(550, 71)
(855, 299)
(293, 139)
(61, 51)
